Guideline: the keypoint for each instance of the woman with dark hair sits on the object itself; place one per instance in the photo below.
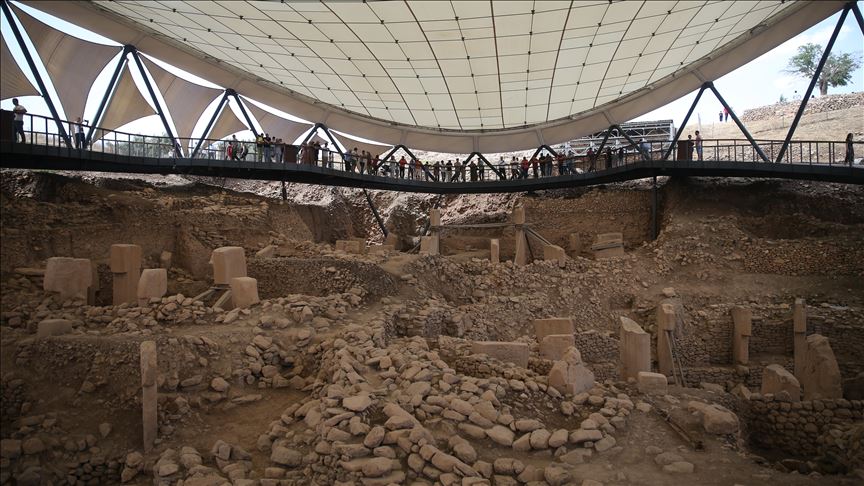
(850, 150)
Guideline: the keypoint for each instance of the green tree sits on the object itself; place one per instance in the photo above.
(837, 71)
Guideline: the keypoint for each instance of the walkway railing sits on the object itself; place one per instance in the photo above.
(38, 132)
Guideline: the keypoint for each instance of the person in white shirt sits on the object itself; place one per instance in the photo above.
(19, 112)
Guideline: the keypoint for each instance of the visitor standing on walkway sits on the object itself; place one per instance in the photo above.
(78, 129)
(850, 150)
(698, 145)
(689, 147)
(18, 122)
(725, 114)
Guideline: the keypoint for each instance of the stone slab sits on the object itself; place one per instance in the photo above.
(510, 352)
(820, 377)
(53, 327)
(554, 346)
(616, 252)
(553, 325)
(776, 379)
(635, 349)
(554, 253)
(652, 383)
(152, 284)
(70, 277)
(244, 292)
(268, 251)
(125, 258)
(228, 262)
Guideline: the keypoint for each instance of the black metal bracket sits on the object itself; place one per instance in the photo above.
(230, 92)
(210, 123)
(684, 123)
(375, 212)
(330, 136)
(7, 12)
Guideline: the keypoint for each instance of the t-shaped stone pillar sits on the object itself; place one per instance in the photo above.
(149, 370)
(742, 319)
(494, 250)
(228, 262)
(635, 349)
(244, 292)
(521, 257)
(665, 328)
(126, 267)
(435, 232)
(70, 277)
(799, 329)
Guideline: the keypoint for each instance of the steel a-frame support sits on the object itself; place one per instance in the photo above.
(109, 90)
(710, 86)
(7, 12)
(233, 94)
(326, 131)
(413, 157)
(219, 108)
(815, 79)
(593, 158)
(499, 173)
(223, 103)
(159, 110)
(684, 122)
(540, 148)
(627, 137)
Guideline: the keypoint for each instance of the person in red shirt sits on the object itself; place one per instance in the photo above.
(525, 165)
(402, 164)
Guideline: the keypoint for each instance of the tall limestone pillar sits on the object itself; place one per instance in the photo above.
(799, 328)
(435, 232)
(494, 250)
(665, 327)
(635, 349)
(126, 267)
(521, 257)
(149, 370)
(742, 319)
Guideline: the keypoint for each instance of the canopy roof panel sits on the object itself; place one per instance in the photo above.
(431, 70)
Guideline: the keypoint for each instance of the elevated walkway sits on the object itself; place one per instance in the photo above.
(28, 156)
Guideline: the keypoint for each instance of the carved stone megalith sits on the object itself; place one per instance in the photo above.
(228, 262)
(820, 376)
(799, 330)
(570, 375)
(244, 292)
(553, 346)
(149, 371)
(153, 284)
(126, 267)
(70, 277)
(435, 231)
(521, 257)
(666, 323)
(776, 379)
(494, 250)
(742, 320)
(635, 349)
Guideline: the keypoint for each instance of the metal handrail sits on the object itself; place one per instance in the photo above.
(37, 128)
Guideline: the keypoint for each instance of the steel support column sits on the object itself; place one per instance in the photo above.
(654, 208)
(684, 123)
(112, 84)
(541, 147)
(159, 111)
(375, 212)
(210, 123)
(813, 82)
(857, 13)
(599, 150)
(7, 12)
(486, 161)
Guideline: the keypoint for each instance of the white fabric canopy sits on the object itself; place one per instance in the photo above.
(13, 82)
(126, 105)
(72, 63)
(277, 126)
(494, 76)
(185, 101)
(226, 124)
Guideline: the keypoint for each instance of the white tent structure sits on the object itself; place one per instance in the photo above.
(454, 76)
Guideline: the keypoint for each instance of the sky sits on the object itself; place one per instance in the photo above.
(760, 82)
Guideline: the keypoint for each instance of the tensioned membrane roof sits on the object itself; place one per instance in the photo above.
(455, 75)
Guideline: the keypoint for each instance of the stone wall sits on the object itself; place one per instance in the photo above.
(317, 276)
(798, 428)
(597, 347)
